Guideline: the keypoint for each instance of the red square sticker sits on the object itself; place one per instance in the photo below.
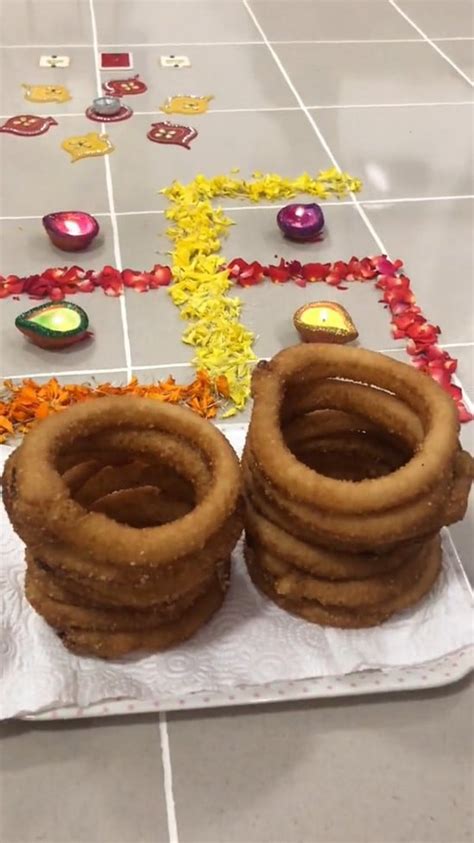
(116, 61)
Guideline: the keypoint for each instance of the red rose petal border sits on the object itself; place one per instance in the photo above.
(407, 320)
(56, 283)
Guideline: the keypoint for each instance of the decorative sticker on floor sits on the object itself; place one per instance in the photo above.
(27, 125)
(186, 104)
(165, 132)
(54, 61)
(124, 87)
(46, 93)
(87, 146)
(116, 61)
(175, 61)
(123, 114)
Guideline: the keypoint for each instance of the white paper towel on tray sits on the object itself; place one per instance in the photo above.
(250, 641)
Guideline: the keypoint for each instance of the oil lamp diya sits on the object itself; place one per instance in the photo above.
(301, 222)
(324, 321)
(108, 110)
(71, 231)
(106, 106)
(54, 325)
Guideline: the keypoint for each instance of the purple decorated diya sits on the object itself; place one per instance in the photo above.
(71, 230)
(301, 222)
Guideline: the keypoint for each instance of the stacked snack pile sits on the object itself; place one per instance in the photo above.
(129, 509)
(352, 465)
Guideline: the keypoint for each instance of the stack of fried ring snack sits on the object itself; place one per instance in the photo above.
(129, 509)
(352, 465)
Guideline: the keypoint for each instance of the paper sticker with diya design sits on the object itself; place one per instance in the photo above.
(87, 146)
(184, 104)
(124, 87)
(54, 61)
(27, 125)
(165, 132)
(46, 93)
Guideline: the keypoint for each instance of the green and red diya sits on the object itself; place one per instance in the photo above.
(54, 325)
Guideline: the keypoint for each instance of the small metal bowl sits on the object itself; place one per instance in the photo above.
(107, 106)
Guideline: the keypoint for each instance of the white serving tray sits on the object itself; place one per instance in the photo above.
(434, 674)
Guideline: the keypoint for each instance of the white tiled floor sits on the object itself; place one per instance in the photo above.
(384, 89)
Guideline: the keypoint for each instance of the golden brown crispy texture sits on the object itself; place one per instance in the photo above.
(377, 530)
(369, 592)
(434, 408)
(40, 489)
(316, 560)
(113, 645)
(62, 610)
(139, 587)
(128, 546)
(315, 612)
(351, 467)
(141, 506)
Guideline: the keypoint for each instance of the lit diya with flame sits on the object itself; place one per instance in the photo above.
(71, 231)
(302, 222)
(54, 325)
(324, 321)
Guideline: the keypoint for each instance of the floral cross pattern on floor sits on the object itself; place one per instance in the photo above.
(200, 279)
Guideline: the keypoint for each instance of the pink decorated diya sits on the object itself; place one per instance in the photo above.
(301, 221)
(71, 231)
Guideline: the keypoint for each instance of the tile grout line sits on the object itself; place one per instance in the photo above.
(168, 779)
(394, 200)
(264, 109)
(317, 130)
(313, 123)
(110, 196)
(151, 366)
(238, 43)
(93, 372)
(430, 41)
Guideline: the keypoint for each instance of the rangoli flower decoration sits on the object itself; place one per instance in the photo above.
(201, 280)
(407, 321)
(57, 283)
(22, 405)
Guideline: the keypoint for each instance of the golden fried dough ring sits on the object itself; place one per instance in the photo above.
(379, 409)
(62, 610)
(113, 645)
(61, 556)
(141, 506)
(325, 424)
(110, 478)
(314, 612)
(145, 471)
(76, 475)
(39, 491)
(375, 530)
(434, 407)
(371, 454)
(318, 560)
(350, 594)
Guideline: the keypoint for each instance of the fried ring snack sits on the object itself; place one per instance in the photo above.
(141, 506)
(351, 594)
(352, 465)
(128, 547)
(434, 407)
(378, 529)
(113, 645)
(39, 487)
(140, 587)
(63, 610)
(319, 561)
(314, 612)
